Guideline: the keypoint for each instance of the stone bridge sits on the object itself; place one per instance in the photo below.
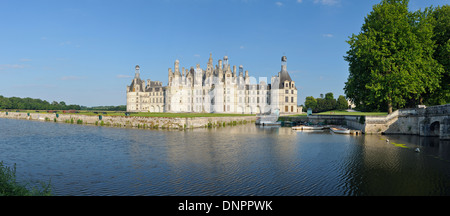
(422, 121)
(435, 121)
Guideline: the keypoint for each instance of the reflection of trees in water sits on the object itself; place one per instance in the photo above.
(429, 145)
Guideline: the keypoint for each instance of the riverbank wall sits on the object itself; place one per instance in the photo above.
(422, 121)
(133, 121)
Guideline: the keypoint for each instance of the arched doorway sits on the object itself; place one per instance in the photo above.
(240, 109)
(435, 128)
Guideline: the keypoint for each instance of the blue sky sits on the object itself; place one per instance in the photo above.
(84, 51)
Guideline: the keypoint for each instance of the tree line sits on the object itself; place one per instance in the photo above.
(38, 104)
(400, 58)
(326, 104)
(34, 104)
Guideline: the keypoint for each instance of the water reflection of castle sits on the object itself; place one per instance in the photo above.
(218, 89)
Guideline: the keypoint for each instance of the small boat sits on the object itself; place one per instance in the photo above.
(305, 127)
(340, 130)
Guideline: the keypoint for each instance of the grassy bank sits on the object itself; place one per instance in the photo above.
(140, 114)
(10, 187)
(339, 112)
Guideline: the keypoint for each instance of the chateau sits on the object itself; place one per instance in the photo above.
(216, 89)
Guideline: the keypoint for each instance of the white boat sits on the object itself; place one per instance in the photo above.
(340, 130)
(305, 127)
(270, 118)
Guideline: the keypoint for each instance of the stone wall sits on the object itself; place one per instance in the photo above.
(353, 122)
(134, 121)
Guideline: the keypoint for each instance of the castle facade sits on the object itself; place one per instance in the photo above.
(216, 89)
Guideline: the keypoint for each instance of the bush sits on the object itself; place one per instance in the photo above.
(10, 187)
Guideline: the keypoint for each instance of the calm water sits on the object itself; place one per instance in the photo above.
(239, 160)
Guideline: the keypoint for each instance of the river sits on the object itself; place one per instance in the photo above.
(240, 160)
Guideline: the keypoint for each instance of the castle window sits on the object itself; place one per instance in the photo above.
(286, 99)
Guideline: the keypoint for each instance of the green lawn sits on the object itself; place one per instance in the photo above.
(338, 112)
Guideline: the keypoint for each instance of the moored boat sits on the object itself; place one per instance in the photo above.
(306, 127)
(340, 130)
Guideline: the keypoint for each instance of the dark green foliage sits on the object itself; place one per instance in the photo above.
(325, 104)
(34, 104)
(391, 60)
(341, 103)
(10, 187)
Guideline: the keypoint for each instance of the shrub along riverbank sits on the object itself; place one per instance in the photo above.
(10, 187)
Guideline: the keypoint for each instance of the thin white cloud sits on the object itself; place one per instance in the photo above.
(65, 43)
(11, 66)
(241, 47)
(34, 86)
(25, 60)
(326, 2)
(279, 4)
(328, 35)
(123, 76)
(71, 78)
(197, 55)
(299, 1)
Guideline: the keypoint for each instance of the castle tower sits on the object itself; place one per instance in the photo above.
(220, 75)
(137, 72)
(177, 68)
(227, 67)
(284, 64)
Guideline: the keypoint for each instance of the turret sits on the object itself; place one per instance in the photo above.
(137, 72)
(284, 64)
(177, 68)
(170, 76)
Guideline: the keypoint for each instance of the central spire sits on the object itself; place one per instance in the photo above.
(136, 72)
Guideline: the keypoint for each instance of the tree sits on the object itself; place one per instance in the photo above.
(391, 61)
(341, 103)
(310, 102)
(330, 102)
(35, 104)
(441, 36)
